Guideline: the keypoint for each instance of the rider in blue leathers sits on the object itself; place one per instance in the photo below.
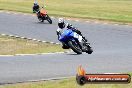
(62, 25)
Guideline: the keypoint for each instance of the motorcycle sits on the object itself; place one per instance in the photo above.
(72, 40)
(42, 15)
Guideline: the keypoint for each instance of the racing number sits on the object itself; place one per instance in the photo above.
(76, 35)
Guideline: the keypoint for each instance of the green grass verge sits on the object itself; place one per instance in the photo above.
(11, 46)
(65, 83)
(114, 10)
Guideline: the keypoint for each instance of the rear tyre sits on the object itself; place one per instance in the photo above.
(49, 19)
(75, 47)
(40, 19)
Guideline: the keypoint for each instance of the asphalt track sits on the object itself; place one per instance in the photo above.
(112, 46)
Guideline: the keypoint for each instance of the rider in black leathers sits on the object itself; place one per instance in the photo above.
(35, 7)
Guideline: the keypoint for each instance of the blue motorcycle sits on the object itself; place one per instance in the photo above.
(74, 41)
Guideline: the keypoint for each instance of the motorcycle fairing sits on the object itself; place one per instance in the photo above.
(78, 37)
(43, 12)
(68, 34)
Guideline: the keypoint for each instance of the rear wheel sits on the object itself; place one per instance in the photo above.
(75, 47)
(40, 19)
(49, 19)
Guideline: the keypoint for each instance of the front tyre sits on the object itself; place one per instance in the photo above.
(49, 19)
(90, 51)
(75, 47)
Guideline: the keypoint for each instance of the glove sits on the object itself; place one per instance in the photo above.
(69, 26)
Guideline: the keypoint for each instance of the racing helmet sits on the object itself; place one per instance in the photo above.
(35, 3)
(61, 23)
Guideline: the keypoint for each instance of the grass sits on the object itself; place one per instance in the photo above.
(65, 83)
(113, 10)
(11, 46)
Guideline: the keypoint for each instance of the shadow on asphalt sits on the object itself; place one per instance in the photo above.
(42, 22)
(73, 54)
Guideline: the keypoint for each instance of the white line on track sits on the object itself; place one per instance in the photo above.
(39, 80)
(96, 22)
(87, 21)
(25, 14)
(55, 78)
(52, 17)
(116, 24)
(52, 42)
(105, 23)
(3, 34)
(126, 25)
(112, 73)
(17, 36)
(39, 40)
(6, 55)
(11, 35)
(43, 41)
(23, 37)
(33, 54)
(8, 12)
(1, 11)
(15, 13)
(38, 54)
(58, 43)
(29, 38)
(34, 39)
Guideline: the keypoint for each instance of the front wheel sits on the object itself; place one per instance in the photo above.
(75, 47)
(49, 19)
(90, 50)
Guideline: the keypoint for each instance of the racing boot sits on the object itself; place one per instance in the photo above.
(64, 46)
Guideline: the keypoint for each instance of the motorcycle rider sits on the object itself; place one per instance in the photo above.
(62, 25)
(35, 7)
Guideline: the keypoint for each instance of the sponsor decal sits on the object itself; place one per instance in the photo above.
(83, 78)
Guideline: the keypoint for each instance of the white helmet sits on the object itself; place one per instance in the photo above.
(60, 20)
(61, 23)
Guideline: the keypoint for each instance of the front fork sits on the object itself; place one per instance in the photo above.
(85, 46)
